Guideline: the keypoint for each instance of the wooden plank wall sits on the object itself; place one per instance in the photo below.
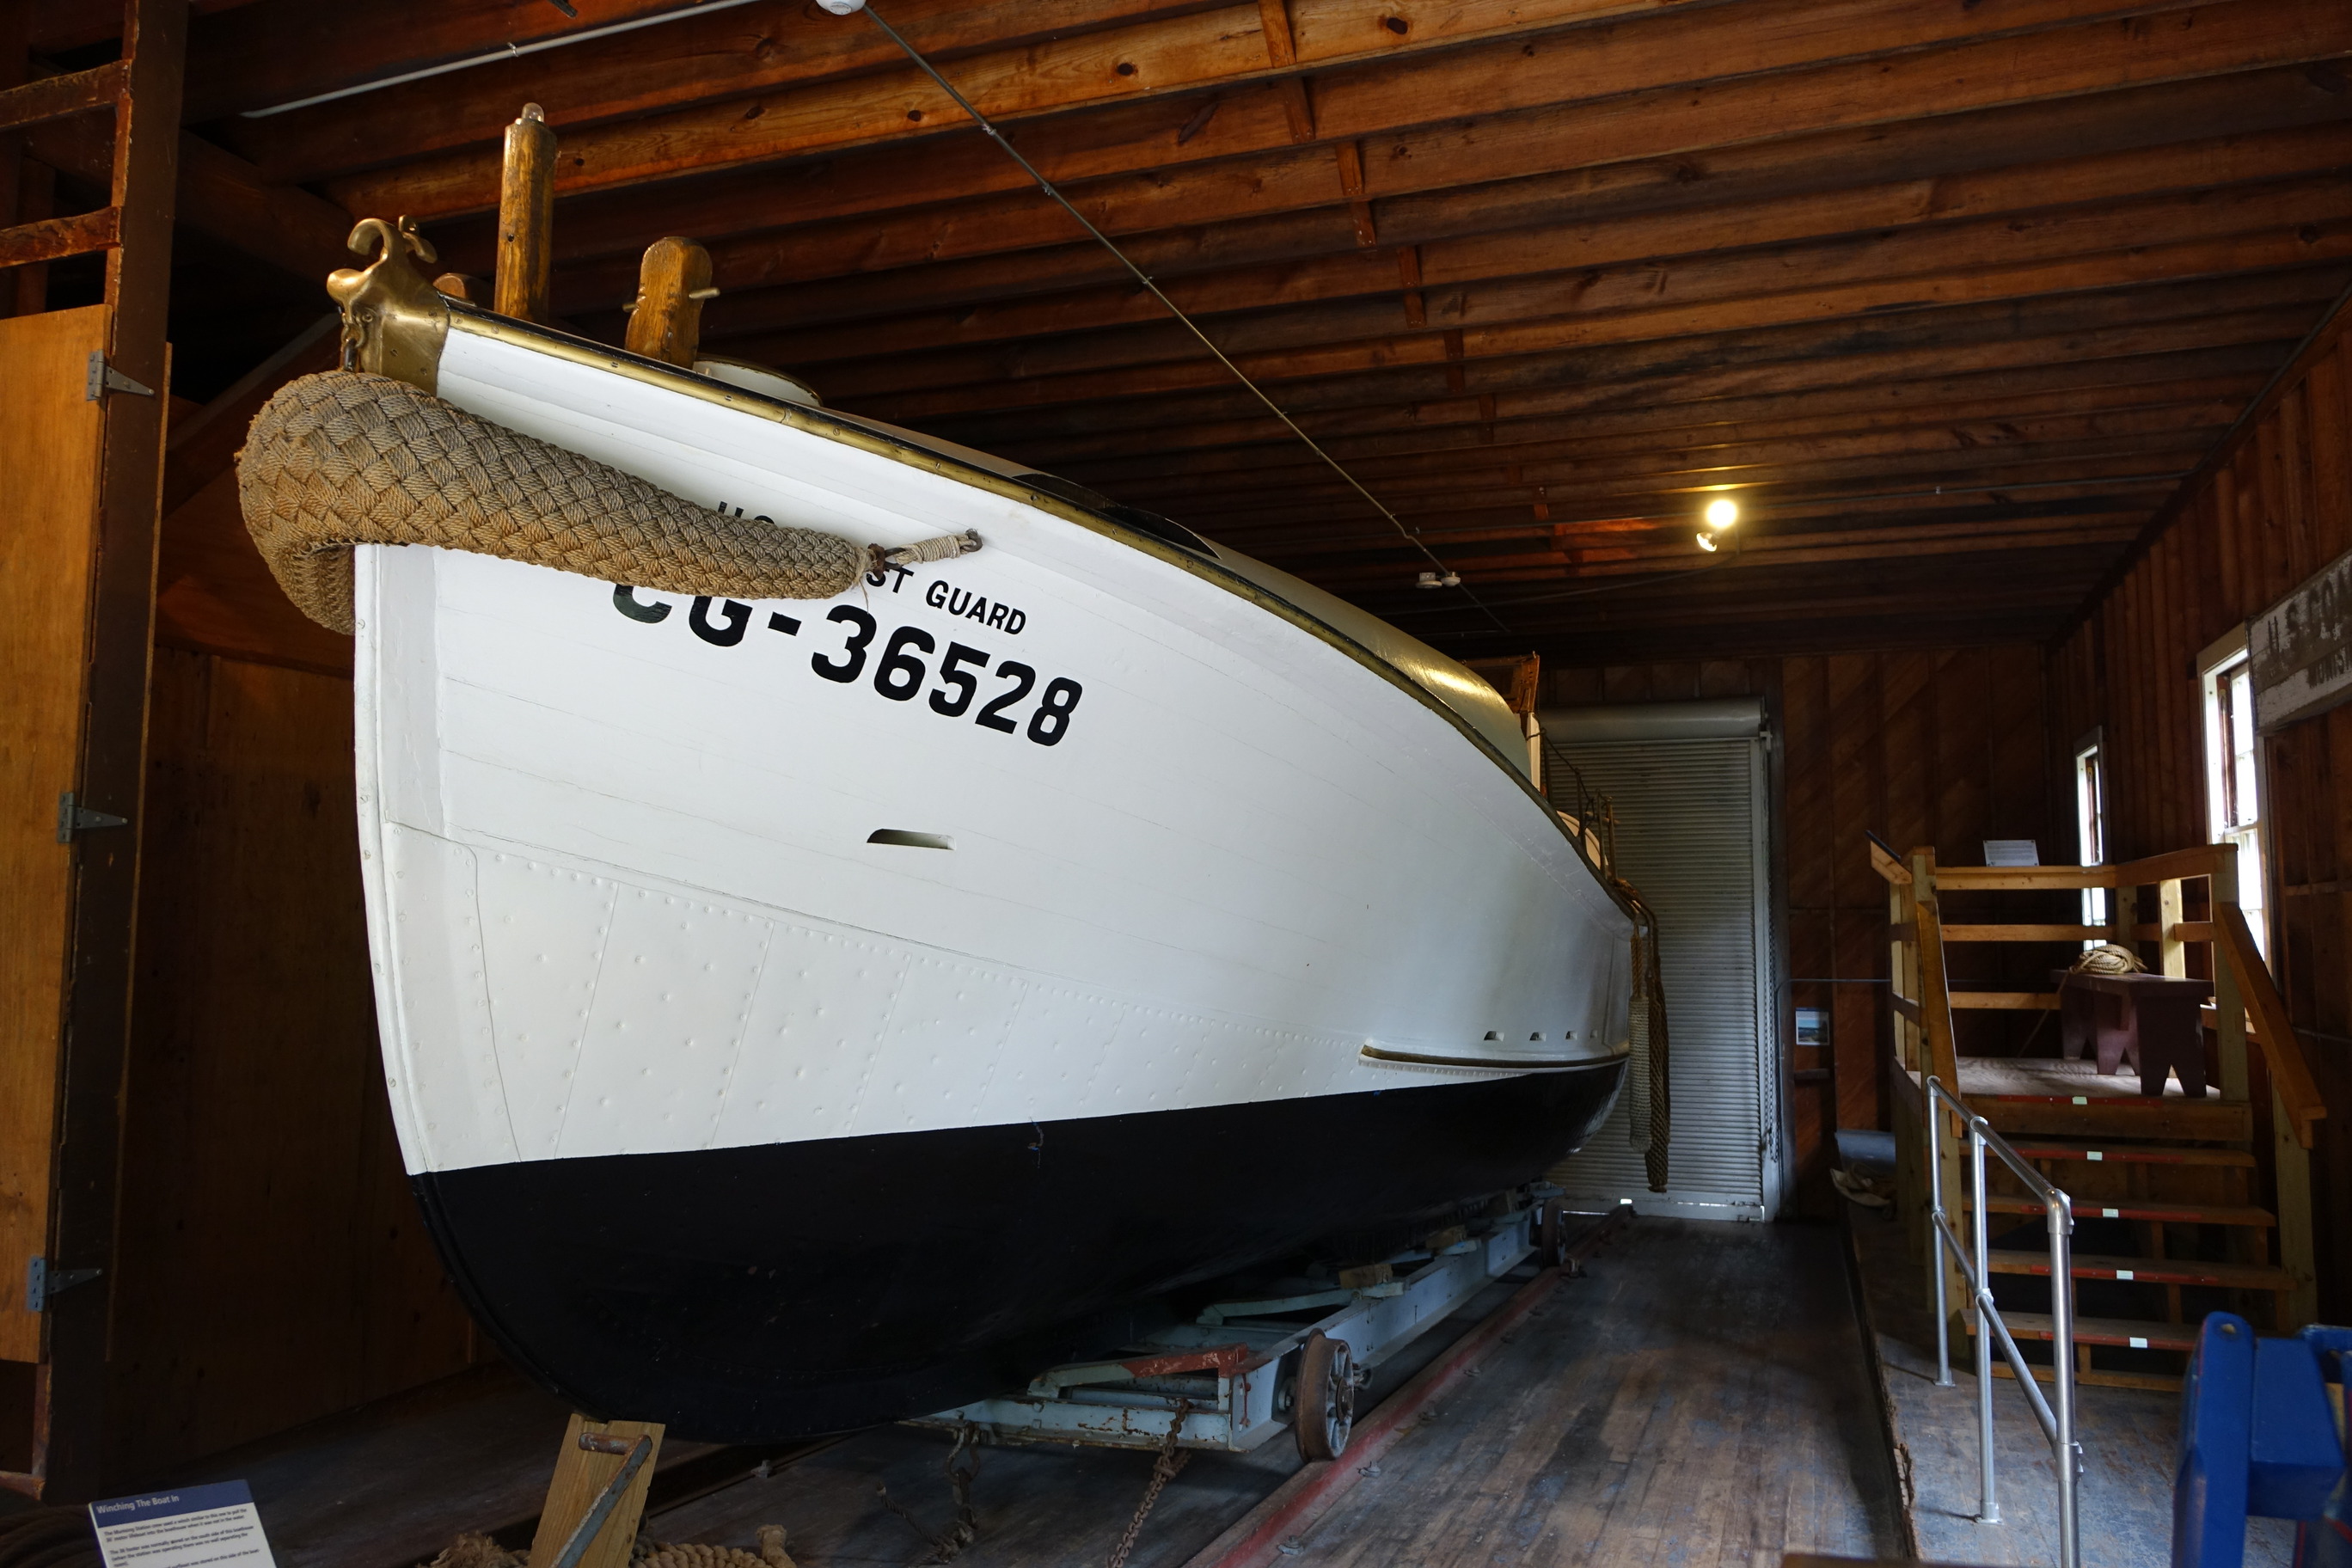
(274, 1266)
(2274, 506)
(1941, 746)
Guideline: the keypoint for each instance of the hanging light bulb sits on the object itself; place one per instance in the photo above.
(1722, 512)
(1705, 542)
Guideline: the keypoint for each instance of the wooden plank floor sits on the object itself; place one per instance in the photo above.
(1983, 1077)
(1701, 1398)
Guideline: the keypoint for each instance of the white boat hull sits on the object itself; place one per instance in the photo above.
(1207, 875)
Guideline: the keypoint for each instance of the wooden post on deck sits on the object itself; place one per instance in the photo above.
(526, 217)
(673, 280)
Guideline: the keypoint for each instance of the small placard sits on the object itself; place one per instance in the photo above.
(2012, 852)
(214, 1526)
(1813, 1027)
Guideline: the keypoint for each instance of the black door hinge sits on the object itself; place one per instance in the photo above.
(74, 817)
(104, 378)
(43, 1284)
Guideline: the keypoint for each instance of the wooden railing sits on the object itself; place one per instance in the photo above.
(2246, 1008)
(2242, 982)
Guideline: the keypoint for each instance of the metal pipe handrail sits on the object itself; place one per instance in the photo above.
(2057, 1421)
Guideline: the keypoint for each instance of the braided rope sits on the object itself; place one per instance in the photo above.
(344, 459)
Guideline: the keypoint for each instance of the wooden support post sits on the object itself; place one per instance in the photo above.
(2171, 909)
(582, 1474)
(2297, 1254)
(526, 217)
(2229, 998)
(111, 772)
(1903, 971)
(673, 280)
(1940, 1059)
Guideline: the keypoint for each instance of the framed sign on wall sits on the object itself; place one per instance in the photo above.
(2301, 649)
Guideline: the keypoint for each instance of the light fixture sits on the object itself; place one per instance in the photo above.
(1722, 512)
(1705, 543)
(1433, 580)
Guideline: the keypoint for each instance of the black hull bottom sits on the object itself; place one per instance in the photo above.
(745, 1295)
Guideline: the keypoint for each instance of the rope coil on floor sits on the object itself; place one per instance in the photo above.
(344, 457)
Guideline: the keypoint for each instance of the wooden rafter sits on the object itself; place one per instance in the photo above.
(1949, 296)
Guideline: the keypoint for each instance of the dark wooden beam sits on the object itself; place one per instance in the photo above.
(1529, 318)
(56, 97)
(2086, 385)
(914, 205)
(1825, 241)
(221, 196)
(1889, 72)
(1711, 459)
(111, 773)
(275, 51)
(817, 280)
(1630, 378)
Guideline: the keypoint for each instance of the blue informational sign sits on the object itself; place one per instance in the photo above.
(214, 1526)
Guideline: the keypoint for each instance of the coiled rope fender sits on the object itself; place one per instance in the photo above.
(344, 457)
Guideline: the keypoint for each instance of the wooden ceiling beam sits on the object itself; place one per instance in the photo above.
(1555, 566)
(1733, 591)
(2090, 502)
(694, 59)
(1514, 321)
(1599, 620)
(276, 51)
(2230, 376)
(2244, 228)
(2150, 469)
(1567, 459)
(2229, 313)
(915, 206)
(1592, 527)
(1633, 538)
(1918, 53)
(1821, 240)
(1564, 446)
(219, 195)
(1771, 633)
(1460, 236)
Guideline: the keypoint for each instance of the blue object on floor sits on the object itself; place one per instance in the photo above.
(2258, 1436)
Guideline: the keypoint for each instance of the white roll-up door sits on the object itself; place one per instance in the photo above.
(1688, 783)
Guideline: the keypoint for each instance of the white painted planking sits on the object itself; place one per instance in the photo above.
(1246, 856)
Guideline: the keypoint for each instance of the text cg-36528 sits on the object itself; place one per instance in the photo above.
(900, 672)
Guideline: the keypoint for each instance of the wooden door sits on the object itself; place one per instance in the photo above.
(49, 448)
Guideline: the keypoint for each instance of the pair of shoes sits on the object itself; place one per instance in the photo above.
(1861, 1189)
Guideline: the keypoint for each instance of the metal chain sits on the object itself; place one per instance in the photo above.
(1163, 1471)
(965, 1529)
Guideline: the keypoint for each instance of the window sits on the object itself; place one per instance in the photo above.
(2233, 790)
(2091, 824)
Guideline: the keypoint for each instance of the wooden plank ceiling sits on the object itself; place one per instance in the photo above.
(1950, 294)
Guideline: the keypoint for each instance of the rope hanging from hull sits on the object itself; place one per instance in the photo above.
(345, 457)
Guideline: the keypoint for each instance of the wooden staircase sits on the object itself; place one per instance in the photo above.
(2181, 1206)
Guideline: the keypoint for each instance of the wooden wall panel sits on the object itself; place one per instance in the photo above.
(273, 1266)
(2274, 507)
(1944, 747)
(48, 532)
